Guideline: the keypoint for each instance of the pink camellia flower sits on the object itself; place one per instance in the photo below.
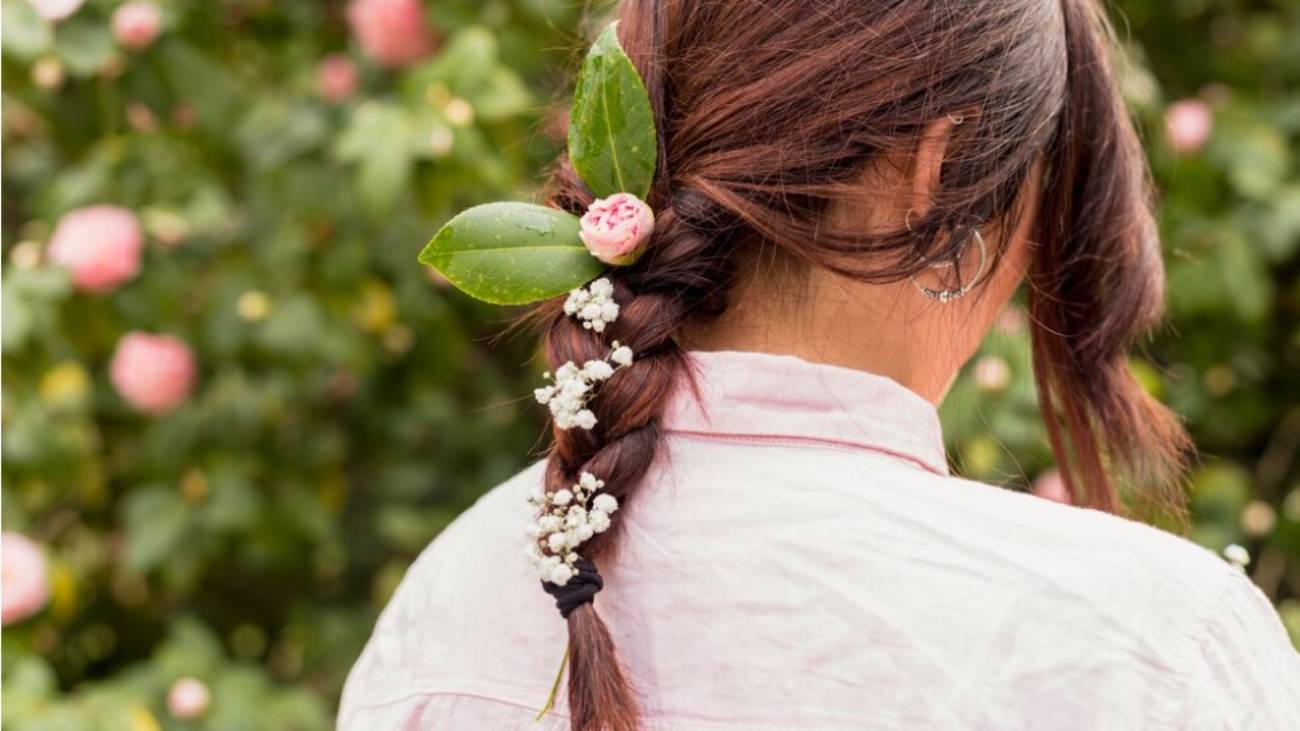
(615, 229)
(391, 32)
(188, 698)
(336, 78)
(1050, 486)
(55, 10)
(100, 245)
(24, 588)
(1188, 124)
(153, 373)
(992, 373)
(136, 24)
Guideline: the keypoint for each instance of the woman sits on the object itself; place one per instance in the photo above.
(847, 194)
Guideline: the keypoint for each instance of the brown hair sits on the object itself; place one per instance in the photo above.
(768, 113)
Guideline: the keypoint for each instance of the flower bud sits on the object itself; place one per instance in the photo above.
(616, 229)
(136, 24)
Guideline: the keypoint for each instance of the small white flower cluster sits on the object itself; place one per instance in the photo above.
(1237, 556)
(565, 519)
(594, 305)
(567, 396)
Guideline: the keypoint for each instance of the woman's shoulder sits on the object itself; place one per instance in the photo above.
(1111, 548)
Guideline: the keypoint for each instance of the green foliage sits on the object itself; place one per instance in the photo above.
(612, 139)
(348, 405)
(512, 253)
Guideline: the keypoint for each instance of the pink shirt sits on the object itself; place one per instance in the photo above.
(801, 559)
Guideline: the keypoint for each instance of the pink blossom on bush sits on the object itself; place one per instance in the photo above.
(24, 588)
(615, 229)
(1188, 123)
(992, 373)
(153, 373)
(391, 32)
(1050, 486)
(136, 24)
(55, 9)
(336, 78)
(188, 698)
(100, 245)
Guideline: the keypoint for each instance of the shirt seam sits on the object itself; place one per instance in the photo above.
(808, 442)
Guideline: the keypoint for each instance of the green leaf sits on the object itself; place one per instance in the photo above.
(378, 140)
(83, 46)
(511, 253)
(156, 520)
(612, 139)
(26, 35)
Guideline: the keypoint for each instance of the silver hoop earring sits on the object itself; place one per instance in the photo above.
(944, 296)
(907, 219)
(956, 118)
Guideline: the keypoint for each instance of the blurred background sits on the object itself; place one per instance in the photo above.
(235, 408)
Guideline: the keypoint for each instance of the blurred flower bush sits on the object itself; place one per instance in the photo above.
(235, 408)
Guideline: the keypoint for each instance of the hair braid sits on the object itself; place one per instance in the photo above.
(679, 279)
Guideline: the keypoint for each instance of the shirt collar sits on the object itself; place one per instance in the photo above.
(784, 398)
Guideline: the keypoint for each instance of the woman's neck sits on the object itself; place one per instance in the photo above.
(888, 329)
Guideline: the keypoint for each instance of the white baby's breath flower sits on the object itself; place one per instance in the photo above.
(565, 520)
(593, 305)
(557, 542)
(605, 503)
(621, 355)
(1237, 556)
(602, 288)
(561, 574)
(597, 370)
(584, 419)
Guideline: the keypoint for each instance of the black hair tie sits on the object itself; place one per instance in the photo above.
(580, 589)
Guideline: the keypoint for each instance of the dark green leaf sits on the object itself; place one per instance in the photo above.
(612, 140)
(511, 253)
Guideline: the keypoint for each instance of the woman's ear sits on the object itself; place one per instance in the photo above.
(930, 153)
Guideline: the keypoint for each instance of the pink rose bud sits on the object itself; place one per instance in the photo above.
(24, 588)
(188, 698)
(1188, 123)
(1050, 486)
(391, 32)
(336, 78)
(54, 10)
(100, 245)
(136, 24)
(615, 229)
(153, 373)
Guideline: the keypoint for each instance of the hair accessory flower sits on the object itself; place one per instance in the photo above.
(615, 229)
(517, 253)
(573, 385)
(565, 519)
(593, 305)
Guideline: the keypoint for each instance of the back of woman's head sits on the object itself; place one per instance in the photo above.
(768, 113)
